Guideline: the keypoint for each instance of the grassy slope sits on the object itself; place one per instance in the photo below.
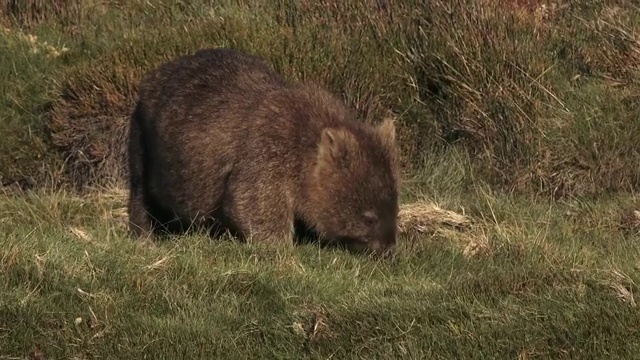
(532, 278)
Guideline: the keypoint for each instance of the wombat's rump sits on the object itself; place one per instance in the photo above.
(218, 139)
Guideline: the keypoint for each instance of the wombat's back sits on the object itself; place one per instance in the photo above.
(208, 79)
(190, 117)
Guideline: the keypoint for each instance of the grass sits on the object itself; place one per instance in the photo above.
(529, 278)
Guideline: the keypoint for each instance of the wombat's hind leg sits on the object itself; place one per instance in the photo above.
(140, 224)
(139, 220)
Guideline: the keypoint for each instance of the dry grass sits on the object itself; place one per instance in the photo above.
(425, 217)
(528, 103)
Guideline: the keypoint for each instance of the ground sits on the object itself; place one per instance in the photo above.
(507, 277)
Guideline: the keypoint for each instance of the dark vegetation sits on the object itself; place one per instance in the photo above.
(542, 97)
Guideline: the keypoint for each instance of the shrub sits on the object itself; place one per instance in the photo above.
(542, 97)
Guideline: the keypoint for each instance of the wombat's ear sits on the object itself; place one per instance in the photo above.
(335, 146)
(387, 132)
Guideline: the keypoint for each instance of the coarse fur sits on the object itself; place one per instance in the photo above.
(219, 139)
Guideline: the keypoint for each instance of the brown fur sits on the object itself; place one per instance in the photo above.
(219, 138)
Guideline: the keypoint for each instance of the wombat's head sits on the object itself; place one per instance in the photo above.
(354, 192)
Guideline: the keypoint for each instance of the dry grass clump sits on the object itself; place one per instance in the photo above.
(112, 202)
(36, 45)
(93, 149)
(622, 286)
(630, 220)
(425, 217)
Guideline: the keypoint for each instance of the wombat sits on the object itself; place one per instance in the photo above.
(219, 139)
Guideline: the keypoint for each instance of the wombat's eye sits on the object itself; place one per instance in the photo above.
(369, 218)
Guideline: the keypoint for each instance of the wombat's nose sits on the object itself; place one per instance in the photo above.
(381, 249)
(387, 253)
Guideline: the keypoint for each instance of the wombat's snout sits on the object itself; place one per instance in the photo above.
(382, 249)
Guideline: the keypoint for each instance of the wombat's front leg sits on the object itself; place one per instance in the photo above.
(263, 221)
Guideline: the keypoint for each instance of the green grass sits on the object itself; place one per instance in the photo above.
(530, 279)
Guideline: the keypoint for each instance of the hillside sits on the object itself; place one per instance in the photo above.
(519, 123)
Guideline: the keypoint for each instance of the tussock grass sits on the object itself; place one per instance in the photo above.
(541, 96)
(534, 94)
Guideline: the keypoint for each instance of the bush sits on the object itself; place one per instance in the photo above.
(542, 98)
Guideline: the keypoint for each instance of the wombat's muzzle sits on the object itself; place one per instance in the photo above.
(381, 249)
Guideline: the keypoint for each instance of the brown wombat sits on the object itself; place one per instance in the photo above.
(219, 139)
